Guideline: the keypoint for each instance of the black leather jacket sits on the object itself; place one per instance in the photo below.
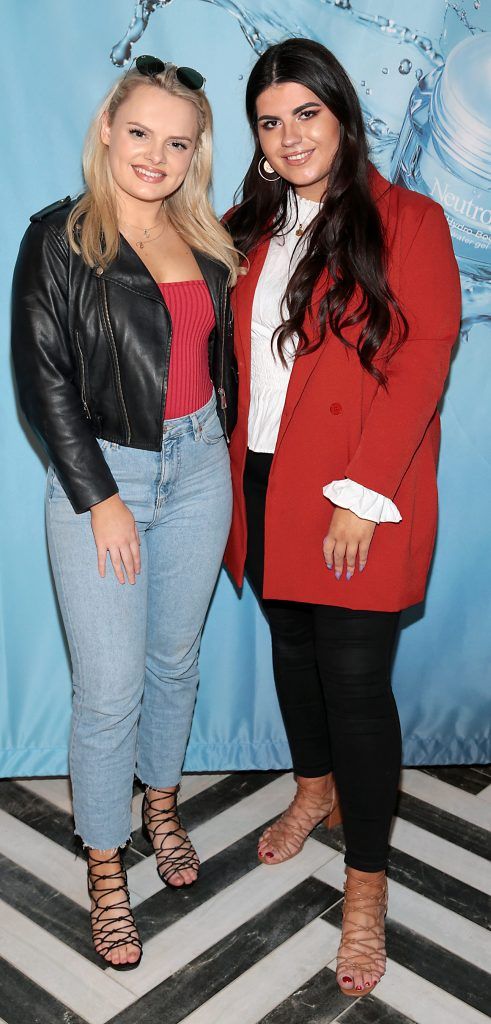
(91, 353)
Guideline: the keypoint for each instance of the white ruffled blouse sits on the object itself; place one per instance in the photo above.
(269, 378)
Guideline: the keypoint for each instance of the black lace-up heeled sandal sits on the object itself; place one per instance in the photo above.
(162, 827)
(112, 923)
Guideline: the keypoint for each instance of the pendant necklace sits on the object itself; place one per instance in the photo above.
(147, 236)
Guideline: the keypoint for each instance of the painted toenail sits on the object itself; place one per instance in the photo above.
(347, 979)
(359, 988)
(269, 855)
(367, 984)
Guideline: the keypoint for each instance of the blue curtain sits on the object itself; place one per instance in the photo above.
(396, 53)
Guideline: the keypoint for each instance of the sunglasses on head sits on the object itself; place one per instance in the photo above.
(151, 66)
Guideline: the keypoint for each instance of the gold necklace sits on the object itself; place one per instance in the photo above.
(142, 242)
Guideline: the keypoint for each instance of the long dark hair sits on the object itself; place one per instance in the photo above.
(346, 236)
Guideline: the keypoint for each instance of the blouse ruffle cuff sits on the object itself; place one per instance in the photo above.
(362, 501)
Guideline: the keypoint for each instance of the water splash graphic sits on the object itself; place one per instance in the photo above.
(401, 66)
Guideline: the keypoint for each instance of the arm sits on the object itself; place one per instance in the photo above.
(366, 504)
(45, 372)
(429, 295)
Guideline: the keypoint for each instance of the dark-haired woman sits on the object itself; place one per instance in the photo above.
(344, 327)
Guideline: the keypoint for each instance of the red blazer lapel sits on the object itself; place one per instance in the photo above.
(304, 365)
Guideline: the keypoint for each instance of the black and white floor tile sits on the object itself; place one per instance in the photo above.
(249, 944)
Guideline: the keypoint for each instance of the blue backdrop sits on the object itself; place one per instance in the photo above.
(58, 59)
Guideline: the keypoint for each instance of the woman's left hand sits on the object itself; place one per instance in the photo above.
(348, 537)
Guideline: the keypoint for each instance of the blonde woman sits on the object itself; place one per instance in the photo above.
(123, 358)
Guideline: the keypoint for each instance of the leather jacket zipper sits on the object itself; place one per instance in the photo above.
(114, 356)
(221, 389)
(82, 377)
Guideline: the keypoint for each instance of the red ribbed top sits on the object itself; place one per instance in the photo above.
(191, 310)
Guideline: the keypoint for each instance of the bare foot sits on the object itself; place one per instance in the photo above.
(313, 801)
(177, 860)
(361, 955)
(110, 903)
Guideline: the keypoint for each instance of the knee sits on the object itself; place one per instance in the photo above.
(364, 695)
(110, 695)
(180, 666)
(291, 641)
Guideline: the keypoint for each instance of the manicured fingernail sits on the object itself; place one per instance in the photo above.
(349, 575)
(337, 575)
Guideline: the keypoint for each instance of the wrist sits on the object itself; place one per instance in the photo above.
(106, 503)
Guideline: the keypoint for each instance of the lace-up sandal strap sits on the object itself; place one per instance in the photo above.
(172, 856)
(366, 943)
(122, 929)
(289, 832)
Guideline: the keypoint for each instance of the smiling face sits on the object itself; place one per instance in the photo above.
(151, 143)
(299, 136)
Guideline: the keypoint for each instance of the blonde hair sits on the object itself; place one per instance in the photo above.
(189, 210)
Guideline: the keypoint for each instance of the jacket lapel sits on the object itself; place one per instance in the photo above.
(303, 367)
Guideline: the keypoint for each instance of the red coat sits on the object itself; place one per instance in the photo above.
(338, 423)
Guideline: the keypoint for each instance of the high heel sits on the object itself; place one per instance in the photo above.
(362, 947)
(158, 826)
(286, 837)
(122, 928)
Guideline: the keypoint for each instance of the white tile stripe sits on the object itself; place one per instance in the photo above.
(445, 797)
(269, 982)
(67, 874)
(274, 978)
(440, 853)
(485, 794)
(417, 998)
(44, 858)
(229, 909)
(191, 785)
(425, 917)
(60, 868)
(18, 840)
(221, 831)
(47, 860)
(58, 792)
(59, 970)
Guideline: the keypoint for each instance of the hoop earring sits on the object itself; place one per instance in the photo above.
(267, 173)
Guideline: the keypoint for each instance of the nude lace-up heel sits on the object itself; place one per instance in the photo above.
(310, 805)
(362, 947)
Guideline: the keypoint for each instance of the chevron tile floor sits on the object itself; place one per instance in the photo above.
(249, 944)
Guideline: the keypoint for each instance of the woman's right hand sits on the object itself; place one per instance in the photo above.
(115, 530)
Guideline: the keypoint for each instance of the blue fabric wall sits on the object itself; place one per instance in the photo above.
(57, 64)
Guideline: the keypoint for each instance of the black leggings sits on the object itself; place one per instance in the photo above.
(332, 675)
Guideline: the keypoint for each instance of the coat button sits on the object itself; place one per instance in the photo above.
(99, 271)
(336, 408)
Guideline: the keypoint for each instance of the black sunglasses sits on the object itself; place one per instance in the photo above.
(151, 66)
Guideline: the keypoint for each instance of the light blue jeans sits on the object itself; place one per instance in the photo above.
(134, 649)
